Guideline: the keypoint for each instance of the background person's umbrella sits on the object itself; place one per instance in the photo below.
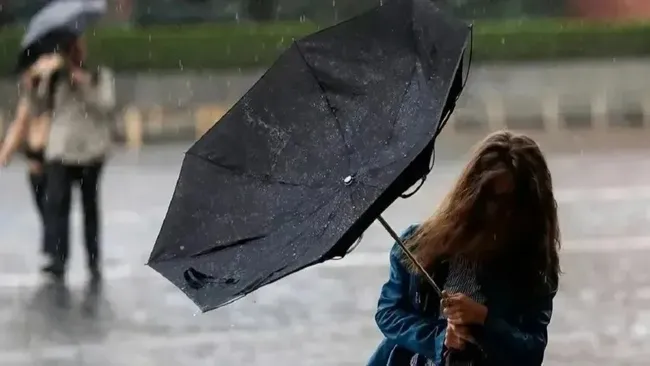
(336, 130)
(57, 24)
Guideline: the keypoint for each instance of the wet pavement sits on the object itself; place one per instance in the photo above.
(324, 315)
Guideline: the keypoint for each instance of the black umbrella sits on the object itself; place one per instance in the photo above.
(338, 128)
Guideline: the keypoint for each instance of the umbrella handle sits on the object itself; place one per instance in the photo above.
(399, 242)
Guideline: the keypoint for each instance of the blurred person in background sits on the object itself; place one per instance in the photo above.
(78, 138)
(493, 247)
(78, 145)
(30, 126)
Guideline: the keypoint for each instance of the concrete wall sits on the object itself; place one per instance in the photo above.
(605, 95)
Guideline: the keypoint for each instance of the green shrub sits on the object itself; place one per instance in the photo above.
(231, 46)
(176, 48)
(559, 39)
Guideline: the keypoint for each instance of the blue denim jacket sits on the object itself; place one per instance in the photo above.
(514, 334)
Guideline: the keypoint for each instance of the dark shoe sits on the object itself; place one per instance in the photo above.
(55, 271)
(95, 274)
(91, 303)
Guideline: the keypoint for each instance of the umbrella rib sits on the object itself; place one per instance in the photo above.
(257, 283)
(316, 210)
(252, 239)
(329, 105)
(366, 184)
(329, 222)
(384, 166)
(260, 178)
(401, 104)
(392, 133)
(283, 132)
(233, 244)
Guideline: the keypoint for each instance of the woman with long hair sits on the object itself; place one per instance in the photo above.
(493, 246)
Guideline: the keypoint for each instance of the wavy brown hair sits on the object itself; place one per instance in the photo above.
(500, 210)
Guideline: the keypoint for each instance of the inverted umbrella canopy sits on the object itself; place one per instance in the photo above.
(338, 128)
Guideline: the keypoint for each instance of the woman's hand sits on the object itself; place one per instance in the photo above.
(35, 78)
(462, 310)
(453, 340)
(457, 337)
(5, 156)
(80, 76)
(46, 64)
(26, 82)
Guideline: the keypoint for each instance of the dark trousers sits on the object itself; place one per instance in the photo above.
(37, 181)
(60, 180)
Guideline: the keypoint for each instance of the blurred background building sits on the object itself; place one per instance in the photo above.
(143, 12)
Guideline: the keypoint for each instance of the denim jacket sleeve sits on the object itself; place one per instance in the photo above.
(398, 320)
(523, 344)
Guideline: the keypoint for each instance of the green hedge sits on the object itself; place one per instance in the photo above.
(251, 46)
(560, 39)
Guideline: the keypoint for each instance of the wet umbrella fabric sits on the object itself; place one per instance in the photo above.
(57, 24)
(336, 130)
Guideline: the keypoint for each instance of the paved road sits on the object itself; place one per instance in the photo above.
(324, 315)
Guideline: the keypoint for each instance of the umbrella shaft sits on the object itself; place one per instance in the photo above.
(399, 241)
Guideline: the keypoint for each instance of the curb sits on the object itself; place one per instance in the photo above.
(137, 126)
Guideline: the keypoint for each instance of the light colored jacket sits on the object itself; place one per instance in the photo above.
(81, 119)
